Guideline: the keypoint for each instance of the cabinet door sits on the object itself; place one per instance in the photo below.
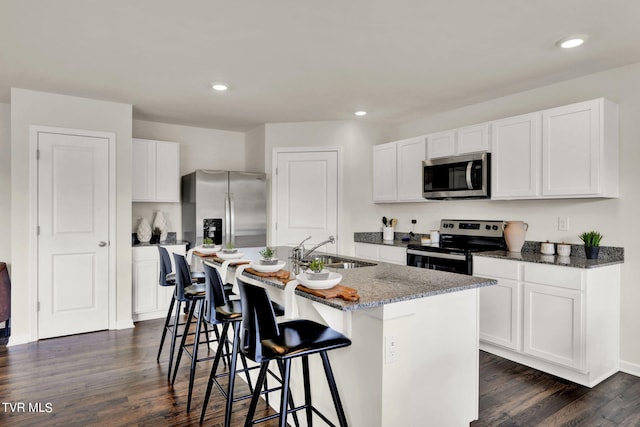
(145, 284)
(366, 251)
(384, 172)
(553, 324)
(411, 153)
(571, 149)
(143, 173)
(472, 139)
(393, 254)
(500, 313)
(441, 144)
(515, 157)
(167, 172)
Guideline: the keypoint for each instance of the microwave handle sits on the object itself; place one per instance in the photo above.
(468, 175)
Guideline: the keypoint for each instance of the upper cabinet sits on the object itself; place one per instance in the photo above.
(564, 152)
(469, 139)
(155, 171)
(397, 171)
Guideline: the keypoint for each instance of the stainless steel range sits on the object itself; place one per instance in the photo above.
(459, 239)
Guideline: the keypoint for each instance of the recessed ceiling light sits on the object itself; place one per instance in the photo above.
(219, 86)
(360, 113)
(572, 41)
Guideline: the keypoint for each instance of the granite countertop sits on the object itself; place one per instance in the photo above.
(385, 283)
(375, 238)
(609, 255)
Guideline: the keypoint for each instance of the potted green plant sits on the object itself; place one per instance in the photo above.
(316, 270)
(268, 256)
(229, 249)
(207, 242)
(591, 241)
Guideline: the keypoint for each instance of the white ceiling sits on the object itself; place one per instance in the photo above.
(290, 61)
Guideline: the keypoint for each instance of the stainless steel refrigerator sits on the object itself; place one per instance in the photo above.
(225, 206)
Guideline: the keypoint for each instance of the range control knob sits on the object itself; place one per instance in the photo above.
(495, 227)
(488, 227)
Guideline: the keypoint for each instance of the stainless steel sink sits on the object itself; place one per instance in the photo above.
(332, 261)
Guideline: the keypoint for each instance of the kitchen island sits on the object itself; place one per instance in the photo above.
(414, 354)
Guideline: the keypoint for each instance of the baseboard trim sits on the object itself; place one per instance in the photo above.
(630, 368)
(18, 340)
(125, 324)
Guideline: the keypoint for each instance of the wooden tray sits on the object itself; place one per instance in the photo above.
(338, 291)
(283, 275)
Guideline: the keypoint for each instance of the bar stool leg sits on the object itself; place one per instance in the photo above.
(334, 389)
(166, 326)
(232, 375)
(214, 369)
(307, 390)
(194, 353)
(176, 321)
(284, 399)
(264, 366)
(185, 333)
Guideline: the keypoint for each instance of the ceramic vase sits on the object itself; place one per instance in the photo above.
(514, 234)
(592, 252)
(144, 231)
(387, 233)
(161, 223)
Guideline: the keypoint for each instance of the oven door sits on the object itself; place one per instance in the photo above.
(455, 262)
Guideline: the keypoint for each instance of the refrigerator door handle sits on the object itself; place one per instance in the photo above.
(232, 216)
(227, 219)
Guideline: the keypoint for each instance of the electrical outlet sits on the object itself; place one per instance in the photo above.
(563, 223)
(391, 349)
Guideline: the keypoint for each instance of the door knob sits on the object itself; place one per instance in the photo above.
(102, 244)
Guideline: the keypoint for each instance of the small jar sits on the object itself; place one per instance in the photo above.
(564, 249)
(547, 248)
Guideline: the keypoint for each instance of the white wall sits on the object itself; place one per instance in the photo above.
(46, 109)
(255, 146)
(356, 139)
(5, 183)
(200, 148)
(616, 218)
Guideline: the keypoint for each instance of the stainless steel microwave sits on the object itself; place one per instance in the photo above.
(467, 176)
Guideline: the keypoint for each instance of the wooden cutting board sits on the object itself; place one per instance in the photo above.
(338, 291)
(283, 275)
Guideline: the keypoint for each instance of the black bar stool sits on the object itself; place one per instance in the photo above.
(220, 310)
(264, 340)
(168, 278)
(192, 294)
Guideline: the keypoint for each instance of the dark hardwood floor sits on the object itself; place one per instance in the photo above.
(111, 378)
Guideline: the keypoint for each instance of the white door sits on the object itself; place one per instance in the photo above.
(73, 218)
(306, 198)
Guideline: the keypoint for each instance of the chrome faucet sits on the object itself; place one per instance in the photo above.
(298, 251)
(306, 254)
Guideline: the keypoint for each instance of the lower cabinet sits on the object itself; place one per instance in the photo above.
(150, 300)
(561, 320)
(384, 253)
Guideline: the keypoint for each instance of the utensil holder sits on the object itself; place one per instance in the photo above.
(387, 233)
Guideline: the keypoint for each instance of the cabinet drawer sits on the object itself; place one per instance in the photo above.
(565, 277)
(496, 268)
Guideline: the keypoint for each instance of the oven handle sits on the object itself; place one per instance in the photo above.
(458, 257)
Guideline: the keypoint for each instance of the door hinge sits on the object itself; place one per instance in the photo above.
(276, 171)
(37, 230)
(38, 306)
(38, 154)
(276, 225)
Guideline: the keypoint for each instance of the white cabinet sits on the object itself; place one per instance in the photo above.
(561, 320)
(564, 152)
(553, 328)
(156, 171)
(515, 157)
(150, 300)
(580, 150)
(397, 171)
(384, 173)
(501, 304)
(469, 139)
(384, 253)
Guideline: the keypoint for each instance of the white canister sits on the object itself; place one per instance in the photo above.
(547, 248)
(564, 249)
(435, 236)
(387, 233)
